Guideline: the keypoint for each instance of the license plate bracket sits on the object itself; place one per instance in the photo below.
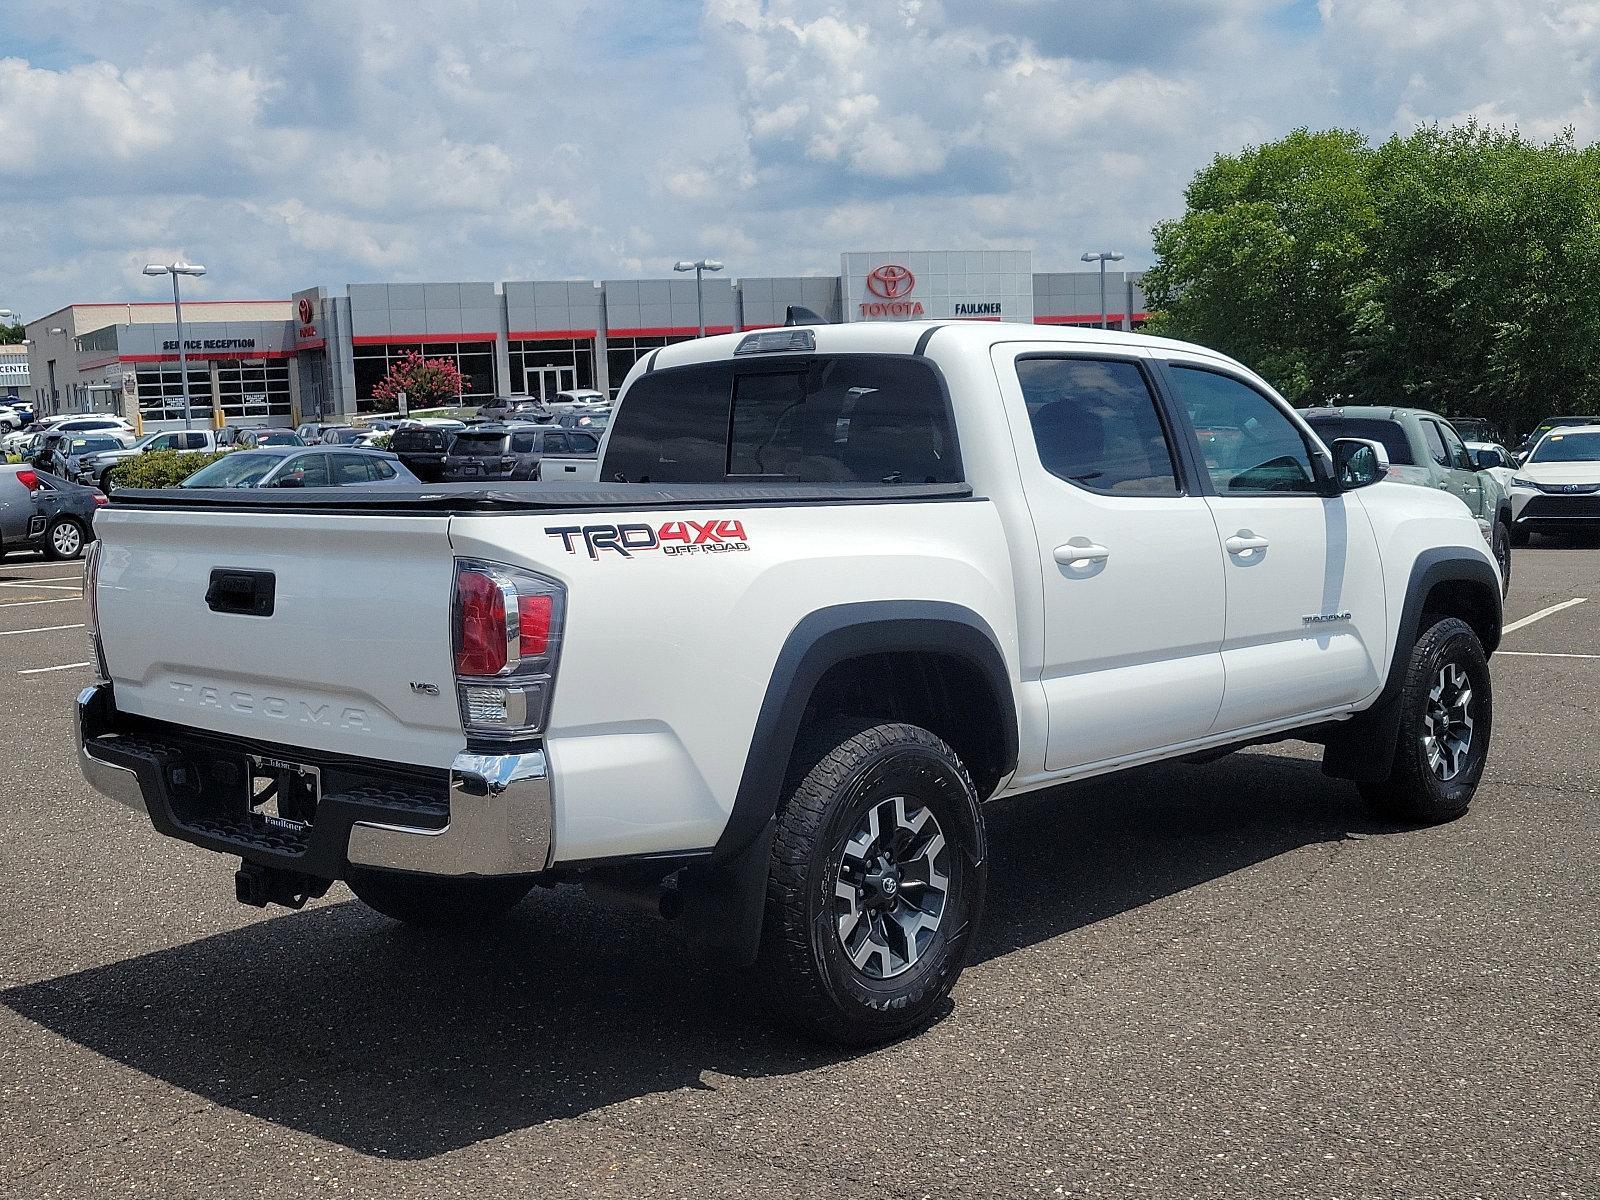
(282, 795)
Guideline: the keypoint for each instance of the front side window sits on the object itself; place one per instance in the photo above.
(305, 470)
(240, 469)
(1250, 446)
(1095, 424)
(1456, 449)
(585, 445)
(1434, 439)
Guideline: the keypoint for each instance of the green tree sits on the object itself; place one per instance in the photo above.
(11, 335)
(1452, 269)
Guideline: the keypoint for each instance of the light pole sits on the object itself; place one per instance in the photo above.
(1102, 257)
(704, 264)
(176, 269)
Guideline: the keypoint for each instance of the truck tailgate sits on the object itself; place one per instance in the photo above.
(354, 658)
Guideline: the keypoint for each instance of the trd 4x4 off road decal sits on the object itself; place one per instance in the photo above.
(715, 536)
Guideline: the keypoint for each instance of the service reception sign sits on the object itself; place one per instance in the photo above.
(915, 285)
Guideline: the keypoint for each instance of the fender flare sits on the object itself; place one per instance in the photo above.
(724, 899)
(1363, 747)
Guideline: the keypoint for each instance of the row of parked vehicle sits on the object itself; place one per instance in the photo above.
(509, 440)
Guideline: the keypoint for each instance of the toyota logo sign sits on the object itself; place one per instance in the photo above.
(307, 310)
(890, 281)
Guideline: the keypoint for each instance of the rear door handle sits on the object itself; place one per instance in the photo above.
(1081, 551)
(1245, 543)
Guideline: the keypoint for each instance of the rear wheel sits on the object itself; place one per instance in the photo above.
(876, 885)
(1446, 716)
(107, 483)
(64, 539)
(437, 901)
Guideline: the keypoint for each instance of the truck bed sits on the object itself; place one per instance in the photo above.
(449, 498)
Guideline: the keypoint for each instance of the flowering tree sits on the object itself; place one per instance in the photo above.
(425, 381)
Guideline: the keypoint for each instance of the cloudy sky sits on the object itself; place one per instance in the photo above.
(287, 143)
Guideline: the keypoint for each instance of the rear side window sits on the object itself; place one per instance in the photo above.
(555, 443)
(522, 443)
(843, 419)
(1095, 424)
(1368, 429)
(584, 444)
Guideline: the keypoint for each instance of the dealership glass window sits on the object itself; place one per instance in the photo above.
(475, 360)
(571, 361)
(161, 391)
(253, 388)
(623, 352)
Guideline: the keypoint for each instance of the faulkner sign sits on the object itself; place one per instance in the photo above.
(910, 285)
(211, 344)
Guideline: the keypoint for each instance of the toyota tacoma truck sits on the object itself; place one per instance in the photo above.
(837, 588)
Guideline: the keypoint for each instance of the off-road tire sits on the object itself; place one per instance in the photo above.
(1414, 792)
(59, 538)
(1501, 547)
(840, 773)
(438, 902)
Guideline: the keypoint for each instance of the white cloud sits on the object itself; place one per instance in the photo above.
(294, 142)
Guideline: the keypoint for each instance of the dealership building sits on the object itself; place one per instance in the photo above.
(319, 354)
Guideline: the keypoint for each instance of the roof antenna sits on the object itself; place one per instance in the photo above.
(798, 314)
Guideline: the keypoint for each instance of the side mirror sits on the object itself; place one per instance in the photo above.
(1358, 462)
(1484, 460)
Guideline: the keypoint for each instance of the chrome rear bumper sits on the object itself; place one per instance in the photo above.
(500, 811)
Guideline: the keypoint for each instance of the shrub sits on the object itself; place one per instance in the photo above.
(159, 469)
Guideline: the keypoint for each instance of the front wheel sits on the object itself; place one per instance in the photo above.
(438, 901)
(1446, 716)
(876, 886)
(1501, 546)
(64, 539)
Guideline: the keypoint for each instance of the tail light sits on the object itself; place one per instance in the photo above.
(507, 641)
(29, 479)
(91, 595)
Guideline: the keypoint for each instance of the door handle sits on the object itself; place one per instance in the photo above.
(1081, 551)
(1245, 542)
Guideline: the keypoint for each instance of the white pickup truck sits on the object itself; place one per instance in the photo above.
(838, 587)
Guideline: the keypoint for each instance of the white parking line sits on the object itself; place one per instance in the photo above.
(40, 629)
(35, 566)
(43, 670)
(26, 603)
(1541, 654)
(26, 583)
(1542, 614)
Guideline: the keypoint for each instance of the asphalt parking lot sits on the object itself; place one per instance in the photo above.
(1193, 981)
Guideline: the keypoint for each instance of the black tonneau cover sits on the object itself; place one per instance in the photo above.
(507, 497)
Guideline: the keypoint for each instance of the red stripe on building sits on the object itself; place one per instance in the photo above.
(551, 335)
(1086, 318)
(669, 331)
(393, 339)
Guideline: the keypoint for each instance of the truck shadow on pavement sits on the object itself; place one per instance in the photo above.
(334, 1022)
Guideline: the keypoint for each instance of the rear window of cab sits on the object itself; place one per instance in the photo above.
(870, 419)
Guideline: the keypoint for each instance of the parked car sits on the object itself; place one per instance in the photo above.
(340, 435)
(254, 439)
(580, 398)
(855, 581)
(1525, 447)
(304, 467)
(1477, 429)
(41, 511)
(422, 443)
(10, 418)
(68, 455)
(16, 441)
(1424, 449)
(311, 432)
(1496, 460)
(1557, 490)
(91, 423)
(594, 422)
(498, 452)
(94, 468)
